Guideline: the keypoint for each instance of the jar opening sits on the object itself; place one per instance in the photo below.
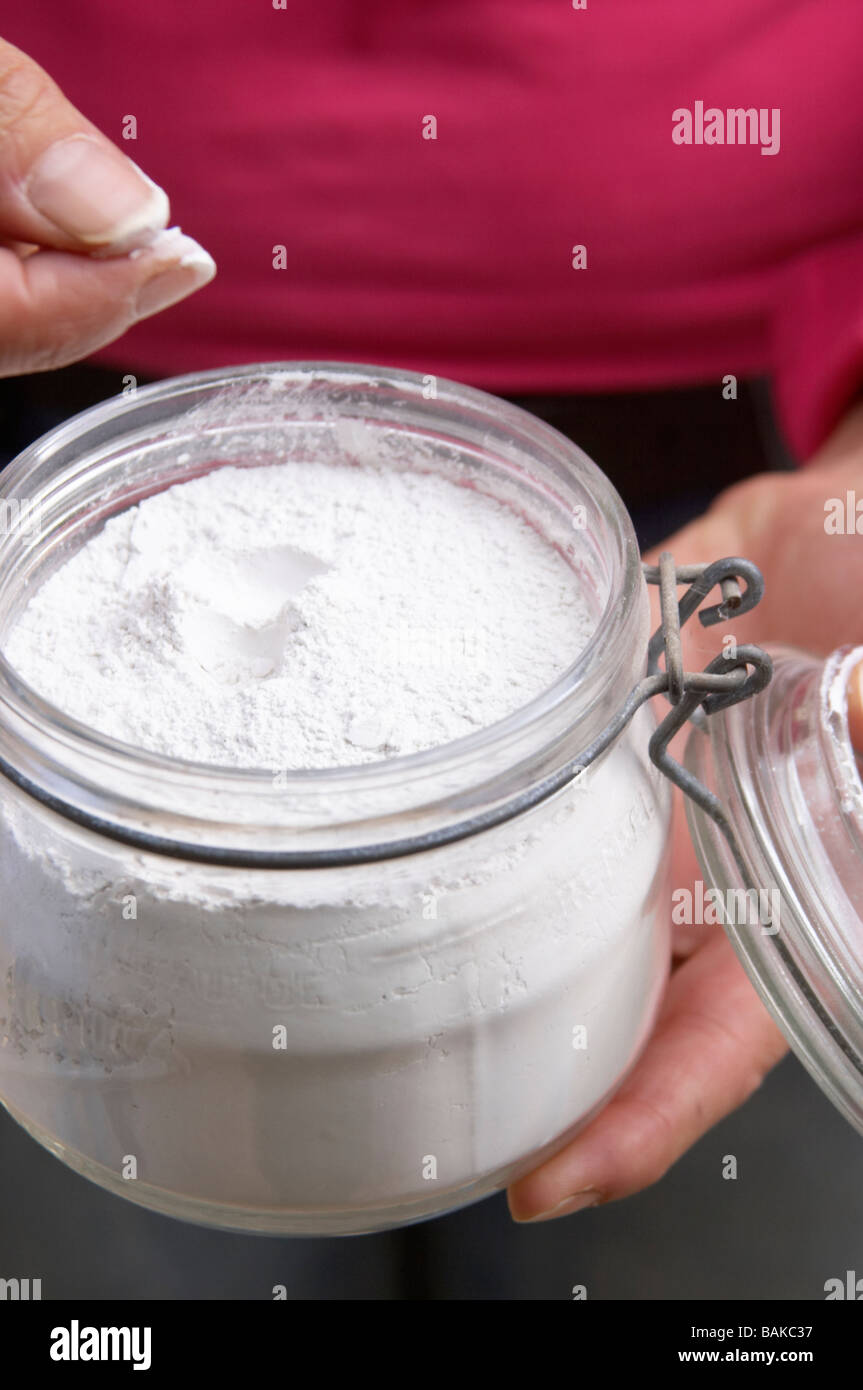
(113, 455)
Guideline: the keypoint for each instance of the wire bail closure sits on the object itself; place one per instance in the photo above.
(730, 677)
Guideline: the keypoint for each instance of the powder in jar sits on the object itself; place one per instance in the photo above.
(303, 615)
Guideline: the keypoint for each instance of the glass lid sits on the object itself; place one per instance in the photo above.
(783, 766)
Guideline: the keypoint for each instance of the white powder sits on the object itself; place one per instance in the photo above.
(290, 1051)
(303, 615)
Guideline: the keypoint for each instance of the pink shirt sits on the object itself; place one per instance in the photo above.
(303, 128)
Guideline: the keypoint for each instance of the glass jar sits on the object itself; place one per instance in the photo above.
(784, 768)
(339, 1000)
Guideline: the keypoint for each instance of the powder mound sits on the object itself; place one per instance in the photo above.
(303, 615)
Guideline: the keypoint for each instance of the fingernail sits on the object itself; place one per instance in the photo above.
(577, 1202)
(94, 193)
(181, 266)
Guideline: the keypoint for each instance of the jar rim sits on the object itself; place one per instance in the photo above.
(72, 444)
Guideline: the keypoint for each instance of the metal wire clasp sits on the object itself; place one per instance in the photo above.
(730, 677)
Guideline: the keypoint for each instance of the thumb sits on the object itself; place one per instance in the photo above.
(56, 308)
(63, 184)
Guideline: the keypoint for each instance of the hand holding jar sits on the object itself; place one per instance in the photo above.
(714, 1042)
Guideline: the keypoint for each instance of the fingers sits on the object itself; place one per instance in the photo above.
(63, 184)
(84, 252)
(711, 1049)
(56, 307)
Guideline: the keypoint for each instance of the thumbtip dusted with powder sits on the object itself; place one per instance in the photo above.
(180, 266)
(172, 244)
